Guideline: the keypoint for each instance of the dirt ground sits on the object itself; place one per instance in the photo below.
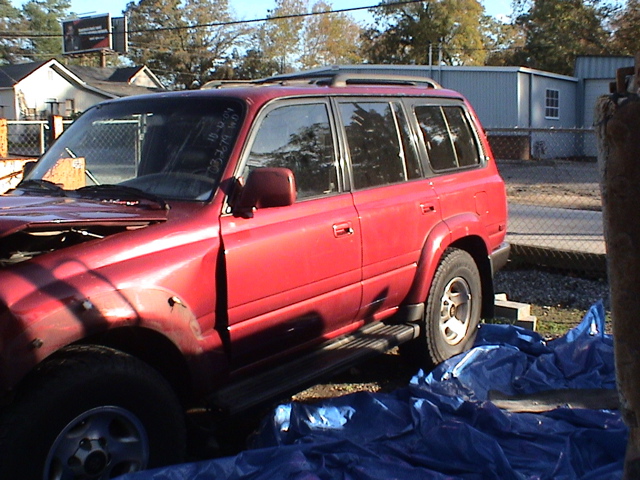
(553, 183)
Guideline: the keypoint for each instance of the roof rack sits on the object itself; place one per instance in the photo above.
(329, 78)
(226, 83)
(343, 79)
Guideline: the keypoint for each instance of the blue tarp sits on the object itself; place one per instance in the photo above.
(443, 425)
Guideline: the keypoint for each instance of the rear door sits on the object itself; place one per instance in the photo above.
(293, 272)
(463, 179)
(397, 206)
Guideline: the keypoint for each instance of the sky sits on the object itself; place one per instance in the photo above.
(250, 9)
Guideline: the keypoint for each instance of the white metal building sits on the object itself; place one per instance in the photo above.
(539, 114)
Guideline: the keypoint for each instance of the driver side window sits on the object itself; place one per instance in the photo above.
(298, 137)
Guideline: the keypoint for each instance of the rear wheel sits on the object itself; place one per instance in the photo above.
(452, 311)
(90, 413)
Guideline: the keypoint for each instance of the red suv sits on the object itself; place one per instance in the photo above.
(224, 246)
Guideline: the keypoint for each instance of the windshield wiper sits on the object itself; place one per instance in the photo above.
(40, 186)
(120, 193)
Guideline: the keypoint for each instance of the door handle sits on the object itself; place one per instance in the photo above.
(342, 229)
(427, 208)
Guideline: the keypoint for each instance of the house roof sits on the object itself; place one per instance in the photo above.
(118, 82)
(12, 74)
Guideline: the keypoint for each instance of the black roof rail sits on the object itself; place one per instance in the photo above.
(225, 83)
(342, 79)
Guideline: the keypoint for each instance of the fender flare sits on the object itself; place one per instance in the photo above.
(74, 320)
(450, 232)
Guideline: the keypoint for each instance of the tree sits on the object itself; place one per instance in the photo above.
(409, 33)
(330, 39)
(305, 41)
(557, 31)
(184, 42)
(253, 65)
(280, 37)
(501, 41)
(44, 17)
(11, 50)
(626, 25)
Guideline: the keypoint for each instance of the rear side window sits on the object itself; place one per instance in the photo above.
(448, 138)
(298, 137)
(379, 143)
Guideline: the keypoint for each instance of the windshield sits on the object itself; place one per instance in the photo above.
(172, 147)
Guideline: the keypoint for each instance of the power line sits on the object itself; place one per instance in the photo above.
(225, 23)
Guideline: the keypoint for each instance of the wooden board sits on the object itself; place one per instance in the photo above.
(68, 173)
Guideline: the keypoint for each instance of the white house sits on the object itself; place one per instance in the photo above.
(33, 91)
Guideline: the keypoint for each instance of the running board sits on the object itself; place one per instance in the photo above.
(332, 357)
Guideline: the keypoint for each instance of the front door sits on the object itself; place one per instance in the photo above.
(293, 272)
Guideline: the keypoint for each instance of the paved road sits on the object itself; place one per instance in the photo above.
(557, 228)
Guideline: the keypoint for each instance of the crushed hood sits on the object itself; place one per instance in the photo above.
(36, 213)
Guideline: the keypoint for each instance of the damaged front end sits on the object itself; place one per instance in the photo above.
(32, 226)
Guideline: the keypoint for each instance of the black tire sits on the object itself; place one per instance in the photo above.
(90, 412)
(452, 311)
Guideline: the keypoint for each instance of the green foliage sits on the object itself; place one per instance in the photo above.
(280, 38)
(557, 31)
(283, 45)
(329, 39)
(626, 27)
(11, 49)
(43, 17)
(188, 42)
(406, 33)
(183, 42)
(253, 65)
(501, 40)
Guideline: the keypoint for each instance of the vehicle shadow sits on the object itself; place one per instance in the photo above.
(212, 436)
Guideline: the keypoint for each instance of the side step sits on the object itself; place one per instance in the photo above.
(332, 357)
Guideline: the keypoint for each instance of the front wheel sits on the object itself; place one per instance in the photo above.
(90, 413)
(452, 311)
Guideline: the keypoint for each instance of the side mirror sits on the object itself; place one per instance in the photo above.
(265, 188)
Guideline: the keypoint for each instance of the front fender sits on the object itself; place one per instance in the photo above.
(74, 319)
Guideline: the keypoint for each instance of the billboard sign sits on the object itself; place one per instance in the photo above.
(120, 32)
(87, 34)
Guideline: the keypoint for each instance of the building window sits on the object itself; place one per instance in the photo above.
(552, 104)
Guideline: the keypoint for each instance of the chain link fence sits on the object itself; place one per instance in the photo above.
(552, 180)
(29, 138)
(113, 148)
(551, 175)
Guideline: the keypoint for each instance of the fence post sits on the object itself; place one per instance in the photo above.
(55, 127)
(42, 139)
(618, 121)
(4, 138)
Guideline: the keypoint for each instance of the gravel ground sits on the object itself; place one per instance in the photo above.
(552, 289)
(557, 299)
